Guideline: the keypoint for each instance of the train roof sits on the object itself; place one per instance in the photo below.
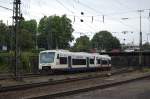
(78, 53)
(55, 51)
(106, 56)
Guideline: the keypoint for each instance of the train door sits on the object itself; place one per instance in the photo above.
(69, 61)
(101, 63)
(88, 61)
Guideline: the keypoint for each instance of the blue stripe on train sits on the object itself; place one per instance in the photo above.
(78, 69)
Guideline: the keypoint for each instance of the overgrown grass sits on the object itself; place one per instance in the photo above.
(4, 62)
(4, 68)
(146, 69)
(7, 61)
(26, 61)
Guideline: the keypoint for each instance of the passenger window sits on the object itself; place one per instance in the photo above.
(63, 60)
(98, 61)
(79, 61)
(91, 61)
(57, 56)
(104, 62)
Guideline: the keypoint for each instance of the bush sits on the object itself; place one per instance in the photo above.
(7, 62)
(38, 50)
(26, 61)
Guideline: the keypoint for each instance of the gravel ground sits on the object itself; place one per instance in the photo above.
(11, 82)
(134, 90)
(50, 89)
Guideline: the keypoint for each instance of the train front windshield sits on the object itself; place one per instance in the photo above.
(47, 57)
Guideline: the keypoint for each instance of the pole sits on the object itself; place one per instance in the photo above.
(36, 45)
(140, 41)
(149, 24)
(16, 21)
(148, 34)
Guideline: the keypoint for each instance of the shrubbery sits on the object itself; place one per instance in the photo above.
(27, 63)
(5, 62)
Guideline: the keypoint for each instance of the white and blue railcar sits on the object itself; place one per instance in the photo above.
(53, 60)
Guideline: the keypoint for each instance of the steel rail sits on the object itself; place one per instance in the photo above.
(54, 82)
(80, 90)
(28, 75)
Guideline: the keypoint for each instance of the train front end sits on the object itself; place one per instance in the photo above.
(46, 60)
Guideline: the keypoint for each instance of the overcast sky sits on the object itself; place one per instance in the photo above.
(94, 10)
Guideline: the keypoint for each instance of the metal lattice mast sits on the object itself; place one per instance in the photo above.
(16, 23)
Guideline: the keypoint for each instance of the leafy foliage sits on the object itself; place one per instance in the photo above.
(5, 62)
(25, 40)
(27, 36)
(82, 44)
(146, 46)
(104, 40)
(4, 34)
(55, 32)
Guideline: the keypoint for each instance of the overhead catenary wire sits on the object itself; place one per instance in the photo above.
(6, 8)
(122, 4)
(98, 13)
(25, 7)
(129, 26)
(6, 2)
(107, 15)
(92, 16)
(64, 6)
(89, 7)
(39, 3)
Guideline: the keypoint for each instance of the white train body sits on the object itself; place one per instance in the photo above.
(65, 60)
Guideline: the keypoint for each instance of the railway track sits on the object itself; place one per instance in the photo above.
(11, 76)
(80, 90)
(10, 89)
(86, 89)
(28, 75)
(54, 82)
(77, 89)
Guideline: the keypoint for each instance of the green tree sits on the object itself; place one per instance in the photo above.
(104, 40)
(27, 36)
(55, 31)
(30, 26)
(146, 46)
(4, 35)
(82, 44)
(42, 38)
(25, 40)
